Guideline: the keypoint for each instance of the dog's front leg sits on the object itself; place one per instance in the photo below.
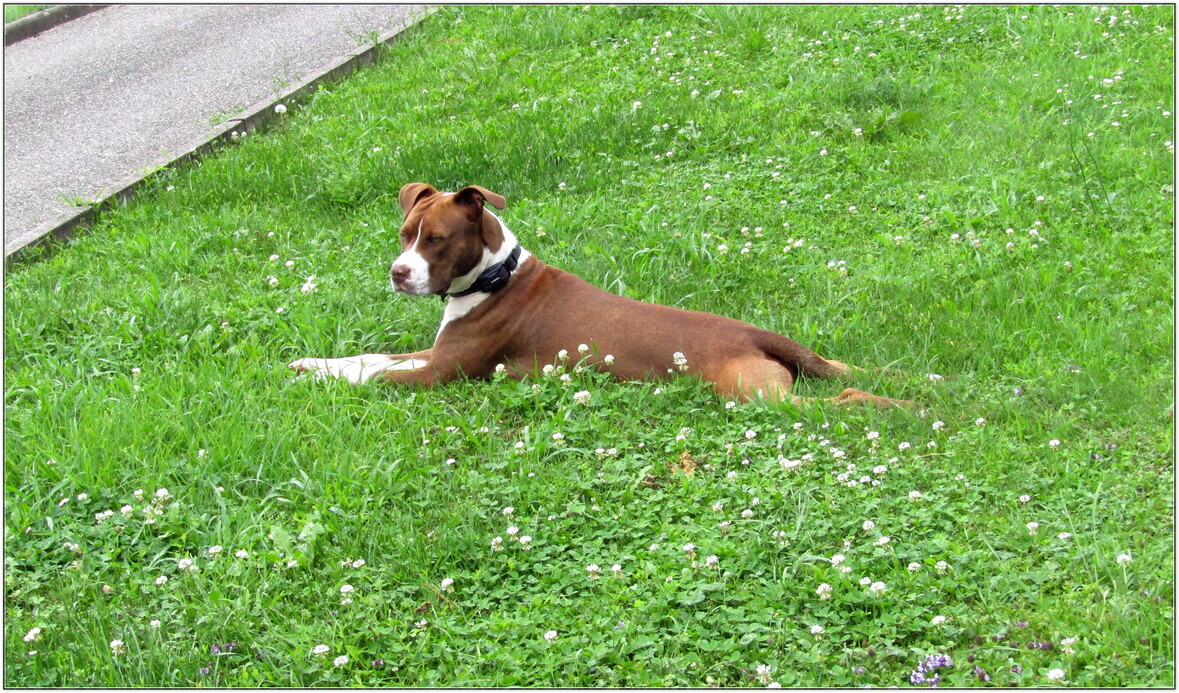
(408, 368)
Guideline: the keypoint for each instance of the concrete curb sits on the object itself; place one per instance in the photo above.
(249, 120)
(46, 19)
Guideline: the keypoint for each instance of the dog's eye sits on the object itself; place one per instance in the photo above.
(434, 240)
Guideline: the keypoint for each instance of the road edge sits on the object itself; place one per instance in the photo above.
(44, 20)
(249, 120)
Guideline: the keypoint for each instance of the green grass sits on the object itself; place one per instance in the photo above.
(967, 206)
(14, 12)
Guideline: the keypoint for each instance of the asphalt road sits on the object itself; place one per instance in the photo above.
(121, 90)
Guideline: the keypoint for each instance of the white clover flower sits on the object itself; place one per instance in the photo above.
(82, 497)
(1033, 527)
(712, 562)
(447, 585)
(680, 361)
(1064, 536)
(34, 634)
(550, 635)
(340, 661)
(914, 567)
(593, 571)
(616, 569)
(215, 550)
(581, 397)
(914, 495)
(763, 673)
(347, 589)
(690, 549)
(869, 525)
(154, 623)
(747, 513)
(865, 581)
(818, 630)
(118, 647)
(824, 591)
(1066, 645)
(1124, 558)
(837, 559)
(320, 650)
(1024, 498)
(497, 544)
(1055, 674)
(938, 620)
(582, 348)
(508, 511)
(161, 580)
(941, 567)
(186, 564)
(608, 359)
(563, 354)
(526, 542)
(878, 588)
(882, 541)
(280, 108)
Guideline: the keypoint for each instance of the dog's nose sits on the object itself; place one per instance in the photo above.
(399, 273)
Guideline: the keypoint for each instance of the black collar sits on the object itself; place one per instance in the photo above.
(493, 278)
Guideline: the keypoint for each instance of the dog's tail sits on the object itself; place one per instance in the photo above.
(798, 358)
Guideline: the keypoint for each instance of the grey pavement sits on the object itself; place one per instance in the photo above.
(104, 98)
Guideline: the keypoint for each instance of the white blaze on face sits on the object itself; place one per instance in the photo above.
(418, 281)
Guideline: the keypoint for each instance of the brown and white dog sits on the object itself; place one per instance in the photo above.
(507, 307)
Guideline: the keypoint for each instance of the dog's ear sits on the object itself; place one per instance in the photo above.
(472, 197)
(411, 193)
(475, 195)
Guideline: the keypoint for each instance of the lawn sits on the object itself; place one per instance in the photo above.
(979, 198)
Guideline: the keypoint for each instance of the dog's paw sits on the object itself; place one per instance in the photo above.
(315, 369)
(355, 369)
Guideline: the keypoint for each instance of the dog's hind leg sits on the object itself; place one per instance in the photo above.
(756, 377)
(852, 396)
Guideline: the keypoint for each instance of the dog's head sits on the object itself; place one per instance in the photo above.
(444, 236)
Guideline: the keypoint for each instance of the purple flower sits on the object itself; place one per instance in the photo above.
(981, 674)
(857, 670)
(214, 650)
(378, 663)
(203, 671)
(927, 665)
